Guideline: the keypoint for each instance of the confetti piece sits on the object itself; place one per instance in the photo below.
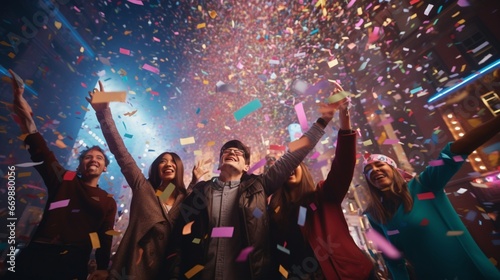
(424, 222)
(283, 271)
(383, 244)
(471, 215)
(94, 239)
(151, 68)
(165, 194)
(59, 204)
(283, 249)
(424, 196)
(247, 109)
(187, 228)
(29, 164)
(201, 25)
(187, 141)
(243, 255)
(69, 175)
(196, 240)
(57, 24)
(113, 232)
(313, 206)
(390, 141)
(128, 135)
(302, 216)
(367, 142)
(137, 2)
(193, 271)
(337, 97)
(458, 158)
(301, 115)
(110, 96)
(222, 232)
(454, 233)
(438, 162)
(392, 232)
(257, 213)
(257, 165)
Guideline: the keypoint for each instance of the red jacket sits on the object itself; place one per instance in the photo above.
(328, 234)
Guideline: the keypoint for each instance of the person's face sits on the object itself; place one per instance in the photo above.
(295, 177)
(380, 174)
(167, 168)
(93, 164)
(234, 158)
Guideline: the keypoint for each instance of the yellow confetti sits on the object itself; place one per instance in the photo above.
(211, 143)
(11, 55)
(94, 239)
(84, 108)
(277, 209)
(113, 232)
(201, 25)
(283, 271)
(187, 141)
(23, 174)
(367, 142)
(212, 14)
(193, 271)
(57, 24)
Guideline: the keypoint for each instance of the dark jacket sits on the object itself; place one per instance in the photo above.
(254, 222)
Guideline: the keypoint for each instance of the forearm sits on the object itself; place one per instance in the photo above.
(476, 137)
(128, 166)
(23, 112)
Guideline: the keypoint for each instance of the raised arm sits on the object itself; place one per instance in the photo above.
(298, 150)
(476, 137)
(128, 166)
(50, 170)
(341, 172)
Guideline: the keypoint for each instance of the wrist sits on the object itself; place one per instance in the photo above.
(322, 122)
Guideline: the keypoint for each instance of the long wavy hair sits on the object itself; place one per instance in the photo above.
(154, 174)
(288, 209)
(381, 207)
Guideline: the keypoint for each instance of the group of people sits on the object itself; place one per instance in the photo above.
(276, 225)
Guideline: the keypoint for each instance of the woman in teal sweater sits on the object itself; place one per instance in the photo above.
(419, 220)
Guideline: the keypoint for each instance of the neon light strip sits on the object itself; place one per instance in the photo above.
(465, 81)
(5, 72)
(66, 24)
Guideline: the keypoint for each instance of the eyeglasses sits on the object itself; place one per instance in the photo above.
(237, 152)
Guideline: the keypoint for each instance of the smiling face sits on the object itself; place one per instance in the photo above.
(167, 168)
(296, 177)
(380, 175)
(92, 164)
(233, 158)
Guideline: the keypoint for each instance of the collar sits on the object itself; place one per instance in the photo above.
(219, 185)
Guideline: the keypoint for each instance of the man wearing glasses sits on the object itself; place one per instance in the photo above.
(223, 231)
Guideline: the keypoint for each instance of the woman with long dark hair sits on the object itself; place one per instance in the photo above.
(153, 208)
(417, 217)
(310, 238)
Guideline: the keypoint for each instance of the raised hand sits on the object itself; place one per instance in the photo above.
(21, 106)
(97, 106)
(199, 171)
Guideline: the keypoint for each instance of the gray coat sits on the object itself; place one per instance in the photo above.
(149, 225)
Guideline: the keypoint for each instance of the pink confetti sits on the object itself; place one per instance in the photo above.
(243, 256)
(301, 115)
(313, 206)
(76, 9)
(124, 51)
(59, 204)
(257, 165)
(222, 232)
(351, 3)
(83, 85)
(156, 39)
(425, 196)
(137, 2)
(437, 162)
(151, 68)
(458, 158)
(392, 232)
(391, 141)
(383, 244)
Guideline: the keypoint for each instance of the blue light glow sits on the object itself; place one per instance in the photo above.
(465, 81)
